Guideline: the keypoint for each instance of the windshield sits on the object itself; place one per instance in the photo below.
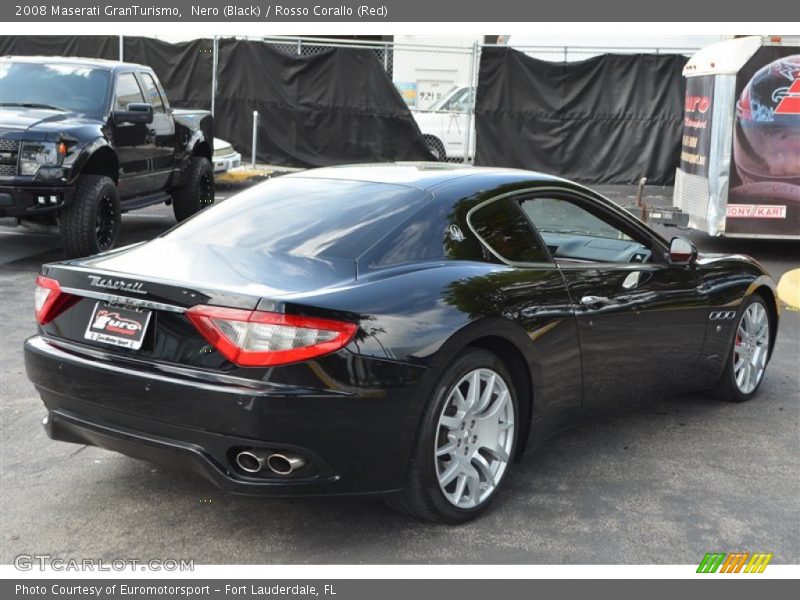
(75, 88)
(323, 218)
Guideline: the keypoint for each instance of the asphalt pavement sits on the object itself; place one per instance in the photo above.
(662, 485)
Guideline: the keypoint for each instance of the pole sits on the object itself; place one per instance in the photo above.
(255, 134)
(214, 60)
(121, 48)
(471, 108)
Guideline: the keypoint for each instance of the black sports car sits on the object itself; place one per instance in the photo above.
(400, 330)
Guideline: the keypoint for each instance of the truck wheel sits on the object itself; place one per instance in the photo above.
(91, 223)
(197, 190)
(436, 148)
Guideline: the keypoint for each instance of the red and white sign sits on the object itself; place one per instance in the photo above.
(756, 211)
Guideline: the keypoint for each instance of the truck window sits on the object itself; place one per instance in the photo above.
(152, 94)
(127, 91)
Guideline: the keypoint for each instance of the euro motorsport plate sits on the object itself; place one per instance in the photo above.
(116, 325)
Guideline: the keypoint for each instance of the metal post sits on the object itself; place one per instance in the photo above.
(299, 47)
(214, 62)
(386, 57)
(121, 48)
(566, 50)
(255, 135)
(471, 109)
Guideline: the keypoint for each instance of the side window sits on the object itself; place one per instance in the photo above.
(152, 94)
(573, 233)
(503, 228)
(460, 102)
(127, 91)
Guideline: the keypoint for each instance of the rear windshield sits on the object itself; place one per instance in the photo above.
(304, 217)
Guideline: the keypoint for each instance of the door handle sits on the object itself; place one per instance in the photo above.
(595, 301)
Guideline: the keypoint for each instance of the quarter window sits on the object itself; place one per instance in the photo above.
(502, 226)
(127, 91)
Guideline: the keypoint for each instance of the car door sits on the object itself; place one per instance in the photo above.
(531, 292)
(641, 321)
(161, 133)
(131, 140)
(455, 122)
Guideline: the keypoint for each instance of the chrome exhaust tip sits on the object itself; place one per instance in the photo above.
(284, 465)
(250, 462)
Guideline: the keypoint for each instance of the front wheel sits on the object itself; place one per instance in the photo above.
(465, 444)
(197, 189)
(91, 223)
(749, 353)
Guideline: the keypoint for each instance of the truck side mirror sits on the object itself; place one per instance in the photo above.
(682, 251)
(137, 112)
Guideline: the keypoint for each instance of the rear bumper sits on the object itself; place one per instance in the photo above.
(354, 443)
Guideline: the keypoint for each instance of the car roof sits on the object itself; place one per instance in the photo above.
(98, 63)
(421, 175)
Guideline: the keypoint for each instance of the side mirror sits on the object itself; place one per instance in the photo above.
(681, 251)
(137, 112)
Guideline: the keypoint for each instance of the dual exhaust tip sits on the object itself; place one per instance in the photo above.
(252, 461)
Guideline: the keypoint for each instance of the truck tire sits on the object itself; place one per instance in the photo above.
(197, 190)
(436, 147)
(91, 223)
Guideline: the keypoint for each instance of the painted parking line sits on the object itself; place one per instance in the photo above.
(789, 288)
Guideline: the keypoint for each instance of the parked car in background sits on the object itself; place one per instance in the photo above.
(445, 124)
(82, 141)
(225, 157)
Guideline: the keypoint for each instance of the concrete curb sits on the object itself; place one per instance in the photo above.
(246, 176)
(789, 289)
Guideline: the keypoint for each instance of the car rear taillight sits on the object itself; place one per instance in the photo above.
(49, 299)
(252, 338)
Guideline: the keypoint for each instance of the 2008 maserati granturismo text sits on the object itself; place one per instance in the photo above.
(400, 330)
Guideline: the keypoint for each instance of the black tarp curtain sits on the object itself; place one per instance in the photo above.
(335, 107)
(608, 119)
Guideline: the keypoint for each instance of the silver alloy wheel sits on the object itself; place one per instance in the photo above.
(474, 438)
(751, 347)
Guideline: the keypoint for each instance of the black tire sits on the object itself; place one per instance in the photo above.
(727, 388)
(436, 148)
(422, 495)
(91, 223)
(197, 189)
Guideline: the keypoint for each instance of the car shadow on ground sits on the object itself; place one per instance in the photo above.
(590, 476)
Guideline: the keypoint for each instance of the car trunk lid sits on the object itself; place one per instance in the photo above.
(179, 277)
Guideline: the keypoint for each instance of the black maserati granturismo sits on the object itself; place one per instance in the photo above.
(406, 331)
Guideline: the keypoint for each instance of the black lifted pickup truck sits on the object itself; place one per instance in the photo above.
(82, 141)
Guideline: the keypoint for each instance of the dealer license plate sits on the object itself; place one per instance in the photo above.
(122, 326)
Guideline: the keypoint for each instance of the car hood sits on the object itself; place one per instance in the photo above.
(15, 121)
